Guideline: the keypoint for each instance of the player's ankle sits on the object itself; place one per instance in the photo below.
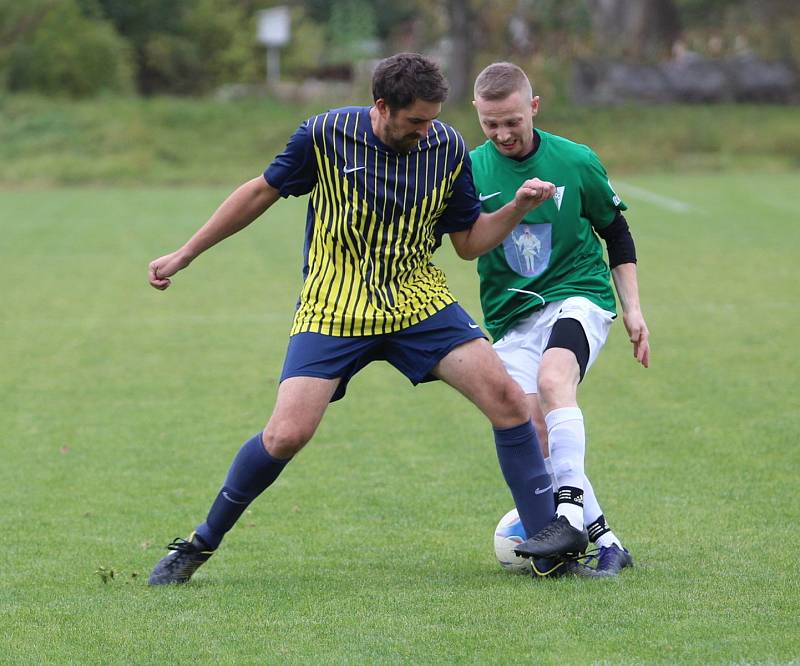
(570, 505)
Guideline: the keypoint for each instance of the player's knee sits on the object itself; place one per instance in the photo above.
(513, 403)
(546, 383)
(285, 440)
(551, 383)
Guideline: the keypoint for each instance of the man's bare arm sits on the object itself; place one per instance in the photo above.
(490, 229)
(627, 286)
(244, 205)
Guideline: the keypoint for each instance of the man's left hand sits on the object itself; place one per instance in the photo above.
(638, 335)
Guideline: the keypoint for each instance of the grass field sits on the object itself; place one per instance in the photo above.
(121, 407)
(159, 141)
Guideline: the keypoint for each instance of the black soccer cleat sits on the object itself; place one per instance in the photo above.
(612, 559)
(559, 567)
(178, 566)
(556, 538)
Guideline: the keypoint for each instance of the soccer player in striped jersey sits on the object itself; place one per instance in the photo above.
(386, 183)
(546, 293)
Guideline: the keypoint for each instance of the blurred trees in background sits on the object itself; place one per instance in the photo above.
(192, 47)
(84, 47)
(59, 47)
(186, 47)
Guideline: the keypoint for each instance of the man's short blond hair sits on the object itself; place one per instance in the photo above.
(501, 79)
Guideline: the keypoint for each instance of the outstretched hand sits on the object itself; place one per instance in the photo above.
(163, 268)
(532, 193)
(638, 335)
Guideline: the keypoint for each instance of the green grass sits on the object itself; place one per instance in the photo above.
(165, 141)
(121, 407)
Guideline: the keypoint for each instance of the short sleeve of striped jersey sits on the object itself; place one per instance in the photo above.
(463, 206)
(294, 171)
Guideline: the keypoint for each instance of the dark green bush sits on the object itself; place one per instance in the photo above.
(67, 52)
(189, 47)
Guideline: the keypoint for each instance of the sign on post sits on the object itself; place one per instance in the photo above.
(274, 31)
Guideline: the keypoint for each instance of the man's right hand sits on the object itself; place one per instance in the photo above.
(532, 193)
(237, 211)
(163, 268)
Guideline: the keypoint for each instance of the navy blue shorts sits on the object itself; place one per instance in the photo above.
(414, 351)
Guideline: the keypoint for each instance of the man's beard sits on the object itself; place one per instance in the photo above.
(404, 143)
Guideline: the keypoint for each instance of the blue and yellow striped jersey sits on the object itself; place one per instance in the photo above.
(375, 217)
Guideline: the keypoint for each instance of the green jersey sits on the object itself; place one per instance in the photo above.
(554, 252)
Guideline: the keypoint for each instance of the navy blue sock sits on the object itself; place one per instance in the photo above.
(523, 468)
(253, 470)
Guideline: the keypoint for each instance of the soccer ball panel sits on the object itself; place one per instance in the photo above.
(508, 534)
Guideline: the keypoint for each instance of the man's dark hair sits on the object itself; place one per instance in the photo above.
(405, 77)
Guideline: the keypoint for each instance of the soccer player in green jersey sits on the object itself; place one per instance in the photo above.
(546, 291)
(385, 182)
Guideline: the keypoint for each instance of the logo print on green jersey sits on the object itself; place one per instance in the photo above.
(558, 196)
(527, 248)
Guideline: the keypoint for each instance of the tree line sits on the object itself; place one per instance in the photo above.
(192, 47)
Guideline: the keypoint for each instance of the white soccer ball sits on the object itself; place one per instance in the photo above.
(508, 534)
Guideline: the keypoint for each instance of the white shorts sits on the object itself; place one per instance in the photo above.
(522, 346)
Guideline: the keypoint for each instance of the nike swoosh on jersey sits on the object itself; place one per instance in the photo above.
(351, 169)
(539, 491)
(484, 197)
(474, 326)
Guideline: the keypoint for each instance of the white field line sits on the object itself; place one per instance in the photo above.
(675, 205)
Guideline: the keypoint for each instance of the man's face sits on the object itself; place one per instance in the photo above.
(508, 123)
(401, 129)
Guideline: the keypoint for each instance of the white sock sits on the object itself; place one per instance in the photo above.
(549, 467)
(608, 539)
(591, 512)
(565, 433)
(572, 512)
(591, 507)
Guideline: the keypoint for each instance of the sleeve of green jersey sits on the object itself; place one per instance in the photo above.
(600, 202)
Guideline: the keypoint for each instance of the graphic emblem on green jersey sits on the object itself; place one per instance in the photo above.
(528, 248)
(558, 196)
